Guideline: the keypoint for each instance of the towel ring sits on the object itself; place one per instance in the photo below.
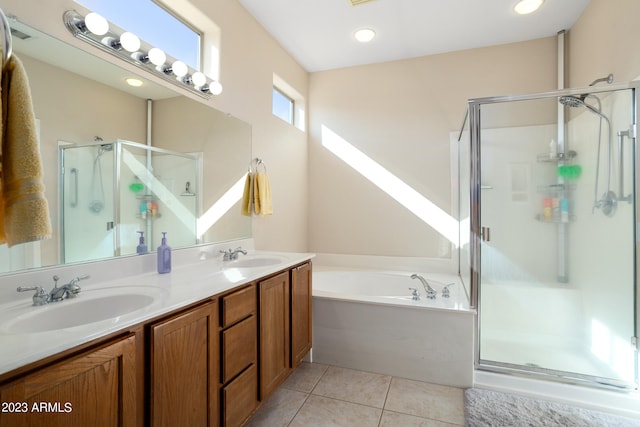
(258, 162)
(8, 42)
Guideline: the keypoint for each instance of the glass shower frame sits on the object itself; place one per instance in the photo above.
(477, 231)
(131, 176)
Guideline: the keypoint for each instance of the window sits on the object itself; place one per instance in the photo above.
(159, 27)
(287, 103)
(282, 106)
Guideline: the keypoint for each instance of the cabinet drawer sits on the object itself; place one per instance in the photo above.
(239, 348)
(240, 398)
(238, 305)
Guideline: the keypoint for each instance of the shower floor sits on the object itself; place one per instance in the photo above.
(553, 356)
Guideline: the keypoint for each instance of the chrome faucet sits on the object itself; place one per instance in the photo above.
(230, 255)
(415, 295)
(42, 297)
(445, 290)
(431, 293)
(70, 290)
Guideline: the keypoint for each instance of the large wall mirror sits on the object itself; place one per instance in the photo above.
(81, 99)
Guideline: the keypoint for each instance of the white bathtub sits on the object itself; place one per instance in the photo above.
(367, 320)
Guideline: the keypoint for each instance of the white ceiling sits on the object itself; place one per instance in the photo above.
(319, 33)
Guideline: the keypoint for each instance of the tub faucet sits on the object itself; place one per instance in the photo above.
(431, 293)
(415, 295)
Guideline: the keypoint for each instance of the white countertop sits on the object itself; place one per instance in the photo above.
(186, 284)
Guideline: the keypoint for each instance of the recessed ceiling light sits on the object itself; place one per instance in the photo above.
(133, 82)
(524, 7)
(364, 35)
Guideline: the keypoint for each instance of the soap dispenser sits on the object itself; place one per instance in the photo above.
(164, 256)
(142, 247)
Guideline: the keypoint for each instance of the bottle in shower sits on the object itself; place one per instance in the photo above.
(164, 256)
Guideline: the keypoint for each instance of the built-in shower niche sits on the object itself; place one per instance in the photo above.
(111, 190)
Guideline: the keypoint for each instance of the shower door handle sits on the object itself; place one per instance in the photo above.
(74, 201)
(485, 234)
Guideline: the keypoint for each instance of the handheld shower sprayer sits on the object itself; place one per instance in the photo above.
(608, 202)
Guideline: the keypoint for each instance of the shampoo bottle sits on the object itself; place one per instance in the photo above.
(164, 256)
(142, 247)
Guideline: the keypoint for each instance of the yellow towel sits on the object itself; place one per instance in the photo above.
(262, 194)
(24, 212)
(247, 195)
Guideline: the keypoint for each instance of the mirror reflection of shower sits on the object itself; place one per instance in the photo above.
(103, 210)
(608, 200)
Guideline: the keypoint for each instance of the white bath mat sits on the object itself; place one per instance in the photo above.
(485, 408)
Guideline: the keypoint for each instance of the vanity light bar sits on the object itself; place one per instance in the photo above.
(97, 31)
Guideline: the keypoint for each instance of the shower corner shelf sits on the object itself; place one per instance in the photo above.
(556, 188)
(157, 216)
(555, 219)
(555, 158)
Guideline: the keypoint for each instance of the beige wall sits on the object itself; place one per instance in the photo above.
(401, 114)
(605, 40)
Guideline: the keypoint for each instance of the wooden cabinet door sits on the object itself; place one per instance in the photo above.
(184, 363)
(300, 313)
(273, 297)
(95, 388)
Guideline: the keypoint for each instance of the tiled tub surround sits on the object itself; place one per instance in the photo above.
(198, 273)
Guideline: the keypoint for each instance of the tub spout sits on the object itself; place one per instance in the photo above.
(431, 293)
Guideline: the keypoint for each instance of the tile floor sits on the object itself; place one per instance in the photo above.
(319, 395)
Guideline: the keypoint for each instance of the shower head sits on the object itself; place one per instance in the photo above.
(572, 101)
(608, 79)
(104, 148)
(579, 102)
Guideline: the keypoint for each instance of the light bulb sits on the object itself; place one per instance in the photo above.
(199, 79)
(215, 87)
(179, 68)
(527, 6)
(132, 81)
(96, 24)
(364, 35)
(156, 56)
(130, 42)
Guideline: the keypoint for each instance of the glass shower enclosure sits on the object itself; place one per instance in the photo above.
(111, 191)
(553, 230)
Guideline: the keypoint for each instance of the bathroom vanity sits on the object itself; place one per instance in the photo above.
(213, 348)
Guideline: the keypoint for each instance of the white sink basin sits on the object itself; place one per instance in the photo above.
(88, 307)
(257, 261)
